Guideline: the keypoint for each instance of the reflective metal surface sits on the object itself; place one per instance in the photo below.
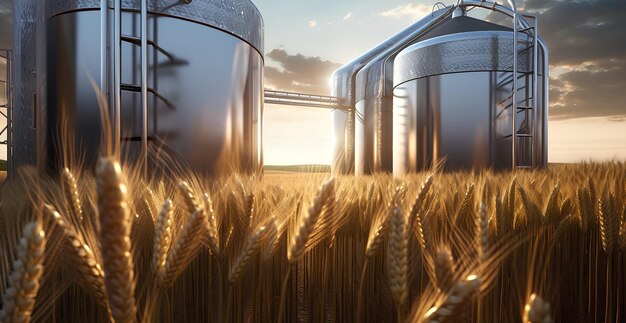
(208, 110)
(26, 16)
(238, 17)
(374, 92)
(344, 87)
(452, 102)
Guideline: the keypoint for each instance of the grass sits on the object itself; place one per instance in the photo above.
(477, 246)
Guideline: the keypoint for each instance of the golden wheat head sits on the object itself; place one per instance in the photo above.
(19, 297)
(115, 244)
(81, 258)
(309, 221)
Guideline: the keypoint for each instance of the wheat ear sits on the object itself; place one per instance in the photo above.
(482, 223)
(81, 258)
(70, 189)
(537, 311)
(251, 246)
(380, 225)
(419, 200)
(398, 257)
(377, 234)
(114, 238)
(309, 221)
(162, 236)
(249, 207)
(609, 222)
(455, 302)
(183, 250)
(211, 226)
(444, 269)
(273, 240)
(19, 297)
(191, 203)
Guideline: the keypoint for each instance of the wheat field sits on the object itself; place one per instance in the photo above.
(477, 246)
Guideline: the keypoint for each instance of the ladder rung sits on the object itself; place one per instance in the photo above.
(519, 135)
(137, 88)
(150, 138)
(524, 108)
(130, 87)
(525, 50)
(526, 29)
(137, 41)
(507, 81)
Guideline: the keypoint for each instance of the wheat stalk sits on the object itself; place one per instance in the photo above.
(398, 265)
(191, 203)
(377, 234)
(415, 217)
(273, 235)
(380, 225)
(537, 310)
(309, 221)
(81, 258)
(609, 222)
(19, 297)
(183, 250)
(249, 207)
(114, 239)
(251, 246)
(72, 197)
(444, 269)
(482, 223)
(211, 233)
(553, 209)
(419, 200)
(162, 236)
(455, 302)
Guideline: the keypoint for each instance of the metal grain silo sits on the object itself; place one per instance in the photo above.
(202, 69)
(349, 90)
(455, 92)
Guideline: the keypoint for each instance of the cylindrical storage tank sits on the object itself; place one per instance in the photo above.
(348, 86)
(205, 80)
(452, 100)
(373, 125)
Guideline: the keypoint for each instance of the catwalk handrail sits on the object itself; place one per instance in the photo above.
(302, 99)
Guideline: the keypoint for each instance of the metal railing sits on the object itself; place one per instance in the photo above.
(6, 107)
(303, 100)
(522, 24)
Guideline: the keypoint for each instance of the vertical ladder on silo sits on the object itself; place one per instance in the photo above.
(143, 42)
(143, 88)
(118, 87)
(529, 107)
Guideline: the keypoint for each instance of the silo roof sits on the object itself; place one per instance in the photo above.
(460, 25)
(240, 18)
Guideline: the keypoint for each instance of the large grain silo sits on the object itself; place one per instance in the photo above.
(345, 88)
(184, 75)
(444, 91)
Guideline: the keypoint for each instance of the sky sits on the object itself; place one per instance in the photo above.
(306, 41)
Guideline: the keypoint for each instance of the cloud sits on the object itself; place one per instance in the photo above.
(412, 11)
(312, 23)
(299, 73)
(587, 55)
(347, 16)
